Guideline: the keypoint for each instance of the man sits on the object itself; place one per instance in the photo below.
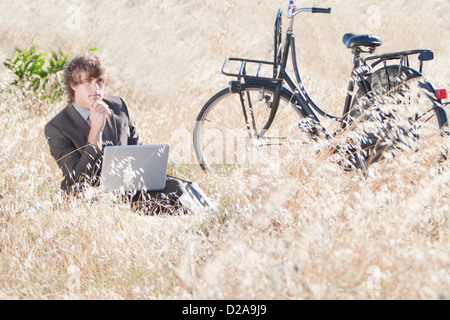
(78, 133)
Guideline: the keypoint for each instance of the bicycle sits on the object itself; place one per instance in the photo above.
(257, 109)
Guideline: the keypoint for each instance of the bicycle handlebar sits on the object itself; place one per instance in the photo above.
(321, 10)
(292, 11)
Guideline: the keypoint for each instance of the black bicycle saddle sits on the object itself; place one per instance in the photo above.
(352, 40)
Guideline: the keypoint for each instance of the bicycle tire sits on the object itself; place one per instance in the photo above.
(221, 139)
(406, 107)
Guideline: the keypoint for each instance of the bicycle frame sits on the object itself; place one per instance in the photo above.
(303, 102)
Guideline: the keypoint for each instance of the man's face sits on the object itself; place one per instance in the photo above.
(88, 91)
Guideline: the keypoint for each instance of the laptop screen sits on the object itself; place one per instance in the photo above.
(135, 167)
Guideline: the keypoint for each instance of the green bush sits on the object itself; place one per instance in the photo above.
(36, 72)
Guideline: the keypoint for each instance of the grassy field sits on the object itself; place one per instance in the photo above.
(303, 230)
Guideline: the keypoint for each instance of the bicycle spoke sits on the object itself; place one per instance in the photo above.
(228, 141)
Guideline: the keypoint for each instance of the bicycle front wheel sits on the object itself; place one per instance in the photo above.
(226, 134)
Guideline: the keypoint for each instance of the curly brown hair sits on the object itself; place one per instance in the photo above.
(89, 63)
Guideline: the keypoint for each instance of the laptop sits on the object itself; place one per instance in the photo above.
(135, 167)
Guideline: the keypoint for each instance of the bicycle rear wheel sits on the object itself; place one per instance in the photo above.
(226, 134)
(400, 112)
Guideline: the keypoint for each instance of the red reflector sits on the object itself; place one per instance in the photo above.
(441, 94)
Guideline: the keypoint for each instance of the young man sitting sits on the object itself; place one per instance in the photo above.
(78, 134)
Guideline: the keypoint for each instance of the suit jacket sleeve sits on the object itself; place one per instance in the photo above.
(78, 165)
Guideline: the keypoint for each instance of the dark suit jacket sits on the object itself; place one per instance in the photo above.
(67, 135)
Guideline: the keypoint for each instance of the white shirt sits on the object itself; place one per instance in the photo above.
(83, 112)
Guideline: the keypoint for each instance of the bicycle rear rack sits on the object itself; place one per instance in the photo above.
(403, 56)
(248, 69)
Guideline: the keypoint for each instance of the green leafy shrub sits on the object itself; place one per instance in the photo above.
(36, 72)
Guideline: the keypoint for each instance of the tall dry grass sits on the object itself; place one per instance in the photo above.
(304, 229)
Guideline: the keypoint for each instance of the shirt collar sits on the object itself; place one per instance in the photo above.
(82, 111)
